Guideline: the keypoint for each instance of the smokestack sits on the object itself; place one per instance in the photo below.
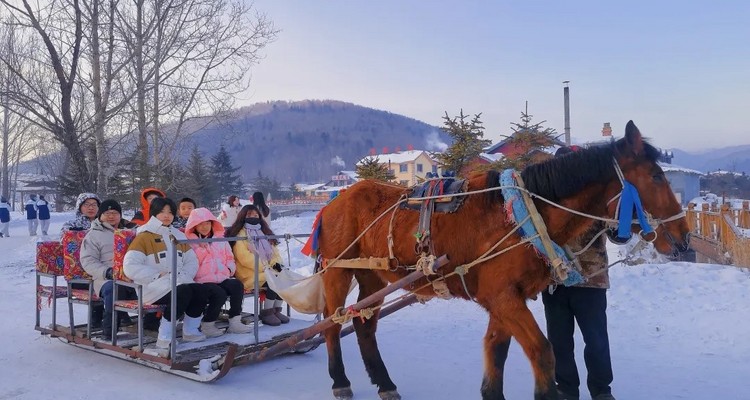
(566, 96)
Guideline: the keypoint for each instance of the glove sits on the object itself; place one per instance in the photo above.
(108, 274)
(277, 267)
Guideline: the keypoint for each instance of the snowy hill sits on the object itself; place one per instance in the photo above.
(308, 141)
(677, 331)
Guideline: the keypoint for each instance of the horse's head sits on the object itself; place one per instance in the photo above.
(637, 160)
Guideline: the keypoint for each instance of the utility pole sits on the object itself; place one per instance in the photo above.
(566, 97)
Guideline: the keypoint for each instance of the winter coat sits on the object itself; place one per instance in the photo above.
(97, 250)
(4, 212)
(43, 208)
(30, 209)
(180, 223)
(80, 222)
(245, 260)
(143, 214)
(594, 259)
(149, 256)
(228, 214)
(215, 260)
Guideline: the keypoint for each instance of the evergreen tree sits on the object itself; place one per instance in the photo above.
(267, 186)
(370, 168)
(529, 138)
(226, 180)
(197, 183)
(467, 144)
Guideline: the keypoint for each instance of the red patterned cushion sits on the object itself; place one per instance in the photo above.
(123, 238)
(71, 245)
(133, 305)
(49, 258)
(81, 294)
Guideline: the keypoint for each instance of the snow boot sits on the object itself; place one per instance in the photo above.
(107, 326)
(97, 312)
(190, 332)
(268, 317)
(280, 315)
(165, 334)
(210, 330)
(124, 319)
(236, 325)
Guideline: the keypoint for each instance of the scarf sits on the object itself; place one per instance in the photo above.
(264, 249)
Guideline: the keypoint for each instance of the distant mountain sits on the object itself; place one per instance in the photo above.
(308, 141)
(734, 158)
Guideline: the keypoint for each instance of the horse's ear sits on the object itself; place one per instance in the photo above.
(633, 138)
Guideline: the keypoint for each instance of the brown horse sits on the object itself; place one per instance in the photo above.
(583, 181)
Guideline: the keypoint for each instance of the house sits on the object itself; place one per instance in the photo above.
(343, 179)
(409, 167)
(511, 149)
(685, 182)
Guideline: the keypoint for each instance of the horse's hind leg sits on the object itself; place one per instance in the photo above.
(370, 283)
(336, 282)
(496, 344)
(525, 330)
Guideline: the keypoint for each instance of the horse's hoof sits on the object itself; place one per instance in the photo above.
(343, 393)
(390, 395)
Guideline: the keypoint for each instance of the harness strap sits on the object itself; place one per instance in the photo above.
(377, 263)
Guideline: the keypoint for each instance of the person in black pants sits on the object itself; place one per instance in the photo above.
(585, 304)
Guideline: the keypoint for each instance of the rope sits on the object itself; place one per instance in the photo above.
(340, 317)
(426, 264)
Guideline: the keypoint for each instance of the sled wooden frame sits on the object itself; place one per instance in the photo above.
(224, 355)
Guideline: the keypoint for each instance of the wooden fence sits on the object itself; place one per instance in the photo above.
(720, 235)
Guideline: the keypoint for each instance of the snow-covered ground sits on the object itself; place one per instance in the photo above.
(677, 331)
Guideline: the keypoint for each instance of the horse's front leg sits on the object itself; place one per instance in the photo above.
(496, 344)
(370, 283)
(336, 282)
(525, 330)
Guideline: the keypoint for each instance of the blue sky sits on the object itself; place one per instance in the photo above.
(680, 70)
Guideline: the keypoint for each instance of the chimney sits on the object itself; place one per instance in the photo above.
(385, 150)
(606, 130)
(409, 147)
(566, 99)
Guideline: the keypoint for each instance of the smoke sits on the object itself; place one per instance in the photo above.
(338, 161)
(434, 143)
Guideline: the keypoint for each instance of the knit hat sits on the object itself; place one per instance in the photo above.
(109, 205)
(83, 197)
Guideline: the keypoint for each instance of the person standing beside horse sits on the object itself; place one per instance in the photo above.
(585, 304)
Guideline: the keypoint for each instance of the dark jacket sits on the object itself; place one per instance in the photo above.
(4, 212)
(43, 209)
(30, 209)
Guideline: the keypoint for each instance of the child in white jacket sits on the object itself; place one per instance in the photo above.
(148, 262)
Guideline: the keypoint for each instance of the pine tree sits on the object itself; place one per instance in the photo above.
(197, 183)
(227, 182)
(468, 142)
(370, 168)
(530, 137)
(267, 186)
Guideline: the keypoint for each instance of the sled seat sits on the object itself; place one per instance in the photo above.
(80, 283)
(123, 238)
(48, 266)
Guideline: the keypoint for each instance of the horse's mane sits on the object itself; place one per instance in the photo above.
(561, 177)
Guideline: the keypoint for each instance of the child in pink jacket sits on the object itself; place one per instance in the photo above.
(216, 270)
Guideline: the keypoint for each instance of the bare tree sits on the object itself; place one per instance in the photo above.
(190, 59)
(52, 106)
